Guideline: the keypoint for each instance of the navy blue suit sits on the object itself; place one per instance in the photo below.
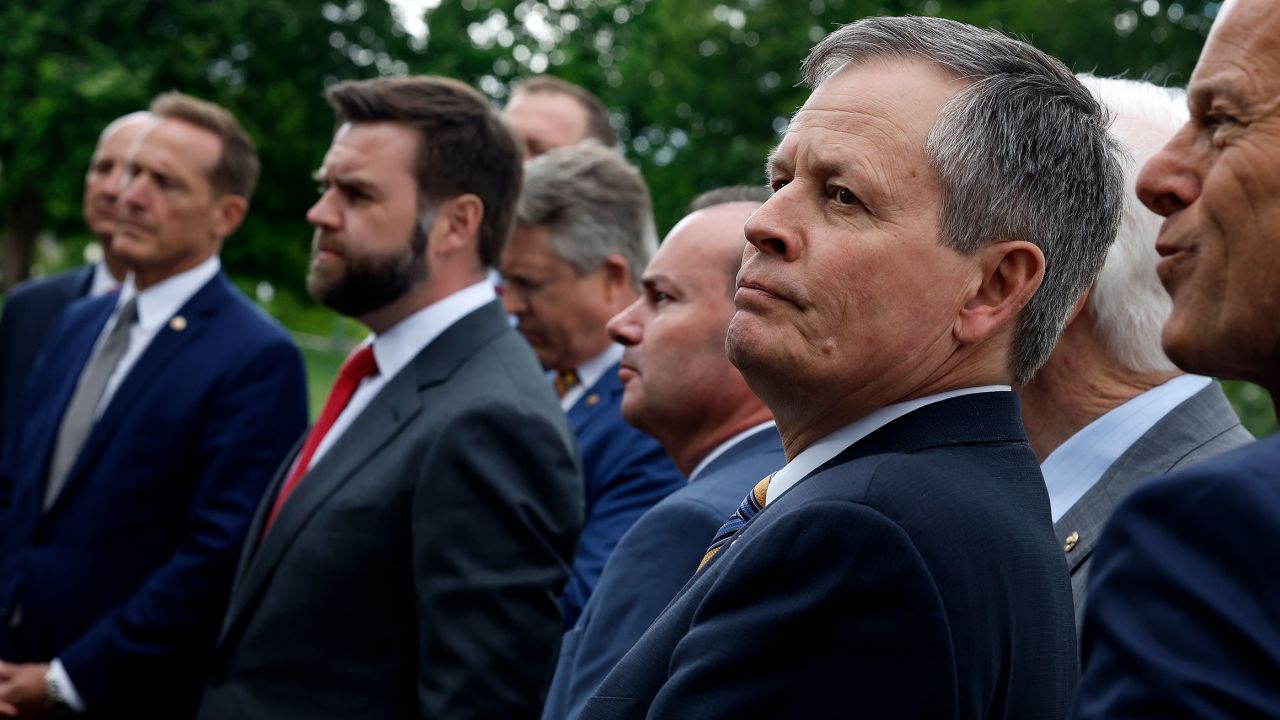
(30, 310)
(652, 561)
(915, 575)
(125, 578)
(626, 473)
(1183, 616)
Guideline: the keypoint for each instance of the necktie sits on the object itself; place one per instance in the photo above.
(82, 411)
(358, 366)
(751, 505)
(566, 380)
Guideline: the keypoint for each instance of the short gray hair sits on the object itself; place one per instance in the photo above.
(1128, 302)
(594, 204)
(1023, 153)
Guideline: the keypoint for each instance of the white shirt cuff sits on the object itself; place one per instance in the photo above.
(63, 681)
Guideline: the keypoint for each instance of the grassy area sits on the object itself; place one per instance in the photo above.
(322, 368)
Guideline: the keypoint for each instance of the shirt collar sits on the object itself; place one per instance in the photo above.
(161, 301)
(103, 281)
(724, 447)
(400, 344)
(814, 456)
(1080, 462)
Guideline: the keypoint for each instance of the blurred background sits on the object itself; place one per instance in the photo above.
(700, 90)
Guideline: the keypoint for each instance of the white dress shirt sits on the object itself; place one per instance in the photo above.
(724, 447)
(1077, 464)
(814, 456)
(156, 306)
(590, 372)
(103, 281)
(396, 347)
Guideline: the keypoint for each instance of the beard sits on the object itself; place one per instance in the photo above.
(371, 281)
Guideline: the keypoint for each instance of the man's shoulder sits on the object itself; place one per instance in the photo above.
(1247, 477)
(64, 286)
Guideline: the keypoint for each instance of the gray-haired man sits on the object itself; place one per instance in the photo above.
(940, 202)
(1108, 409)
(583, 233)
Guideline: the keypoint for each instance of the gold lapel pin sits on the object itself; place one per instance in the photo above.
(177, 323)
(592, 400)
(1071, 542)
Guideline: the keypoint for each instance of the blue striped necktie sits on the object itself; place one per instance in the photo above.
(751, 505)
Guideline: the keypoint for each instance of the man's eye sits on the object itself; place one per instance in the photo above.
(842, 195)
(660, 297)
(777, 185)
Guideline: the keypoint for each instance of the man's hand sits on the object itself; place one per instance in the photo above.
(22, 690)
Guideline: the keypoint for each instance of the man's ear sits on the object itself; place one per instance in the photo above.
(1080, 303)
(229, 212)
(617, 280)
(1011, 273)
(456, 226)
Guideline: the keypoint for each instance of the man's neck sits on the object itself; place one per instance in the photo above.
(424, 294)
(687, 451)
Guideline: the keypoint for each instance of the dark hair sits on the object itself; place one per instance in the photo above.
(236, 172)
(598, 125)
(463, 145)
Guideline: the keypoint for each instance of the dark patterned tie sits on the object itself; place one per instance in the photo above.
(565, 381)
(751, 505)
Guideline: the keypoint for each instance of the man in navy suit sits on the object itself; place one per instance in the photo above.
(583, 231)
(1182, 614)
(680, 387)
(32, 307)
(919, 254)
(147, 439)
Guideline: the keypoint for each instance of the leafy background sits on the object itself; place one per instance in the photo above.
(700, 90)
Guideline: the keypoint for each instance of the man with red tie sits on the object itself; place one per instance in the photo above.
(406, 561)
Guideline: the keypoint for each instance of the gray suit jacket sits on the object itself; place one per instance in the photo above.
(1204, 425)
(415, 570)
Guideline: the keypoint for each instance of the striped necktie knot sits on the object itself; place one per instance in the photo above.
(566, 380)
(751, 505)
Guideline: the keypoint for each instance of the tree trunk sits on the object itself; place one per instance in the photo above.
(18, 238)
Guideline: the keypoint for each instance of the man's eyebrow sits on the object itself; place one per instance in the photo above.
(774, 163)
(655, 279)
(1204, 93)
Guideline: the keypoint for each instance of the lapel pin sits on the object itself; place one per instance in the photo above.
(1072, 539)
(592, 400)
(177, 323)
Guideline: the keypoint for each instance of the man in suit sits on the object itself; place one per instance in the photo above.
(151, 426)
(919, 254)
(406, 561)
(32, 307)
(1181, 619)
(680, 387)
(549, 113)
(1108, 409)
(583, 232)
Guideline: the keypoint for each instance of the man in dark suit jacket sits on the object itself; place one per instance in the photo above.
(583, 230)
(905, 271)
(31, 308)
(1181, 619)
(120, 535)
(681, 388)
(1108, 409)
(406, 562)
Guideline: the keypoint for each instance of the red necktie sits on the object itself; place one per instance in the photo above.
(358, 366)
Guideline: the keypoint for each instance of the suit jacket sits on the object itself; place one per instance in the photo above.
(415, 569)
(126, 576)
(915, 575)
(1182, 617)
(30, 310)
(1202, 426)
(652, 561)
(626, 473)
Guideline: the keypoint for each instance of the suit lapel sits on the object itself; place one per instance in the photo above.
(396, 404)
(594, 401)
(153, 361)
(1155, 453)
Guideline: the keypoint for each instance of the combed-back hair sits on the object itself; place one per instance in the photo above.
(236, 172)
(757, 194)
(1022, 152)
(594, 204)
(463, 144)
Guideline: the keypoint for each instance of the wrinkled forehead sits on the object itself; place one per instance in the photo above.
(1245, 38)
